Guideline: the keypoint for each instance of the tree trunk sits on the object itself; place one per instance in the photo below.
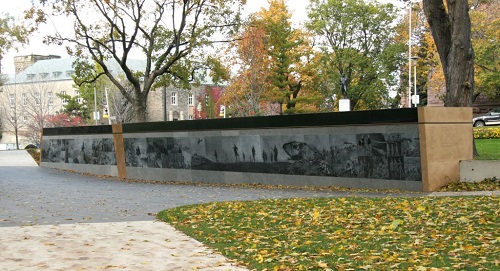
(451, 30)
(140, 108)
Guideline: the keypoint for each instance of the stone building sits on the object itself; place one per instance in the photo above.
(173, 104)
(32, 92)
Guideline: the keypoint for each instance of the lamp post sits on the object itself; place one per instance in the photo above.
(415, 98)
(96, 113)
(16, 131)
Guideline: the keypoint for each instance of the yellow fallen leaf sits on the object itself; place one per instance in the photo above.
(315, 215)
(468, 248)
(322, 264)
(260, 259)
(395, 224)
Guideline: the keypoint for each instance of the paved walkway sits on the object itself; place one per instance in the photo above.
(32, 195)
(54, 220)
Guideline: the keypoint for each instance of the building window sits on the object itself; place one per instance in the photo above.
(190, 99)
(12, 100)
(50, 97)
(78, 98)
(44, 75)
(30, 76)
(37, 98)
(174, 98)
(69, 73)
(64, 101)
(56, 74)
(25, 99)
(207, 99)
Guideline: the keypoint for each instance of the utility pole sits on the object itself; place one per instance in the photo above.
(409, 55)
(164, 102)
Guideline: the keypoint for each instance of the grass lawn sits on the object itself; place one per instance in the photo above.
(488, 149)
(425, 233)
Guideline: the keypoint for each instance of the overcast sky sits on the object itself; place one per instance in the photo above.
(15, 8)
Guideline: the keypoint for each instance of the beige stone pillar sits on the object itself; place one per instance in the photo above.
(119, 150)
(446, 138)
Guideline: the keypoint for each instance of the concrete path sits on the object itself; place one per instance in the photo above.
(143, 245)
(32, 195)
(54, 220)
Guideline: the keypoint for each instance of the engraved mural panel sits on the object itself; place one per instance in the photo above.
(79, 151)
(392, 156)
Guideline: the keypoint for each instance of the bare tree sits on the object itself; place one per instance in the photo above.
(38, 104)
(169, 35)
(26, 106)
(120, 108)
(10, 112)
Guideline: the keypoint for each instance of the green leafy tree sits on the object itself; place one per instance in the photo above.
(485, 19)
(75, 107)
(304, 73)
(280, 42)
(92, 86)
(358, 41)
(170, 36)
(13, 33)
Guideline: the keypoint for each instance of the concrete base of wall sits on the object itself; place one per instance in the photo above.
(219, 177)
(475, 171)
(81, 168)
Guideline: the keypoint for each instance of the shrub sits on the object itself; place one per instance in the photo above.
(35, 153)
(486, 132)
(30, 146)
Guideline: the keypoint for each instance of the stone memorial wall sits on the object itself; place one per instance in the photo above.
(385, 149)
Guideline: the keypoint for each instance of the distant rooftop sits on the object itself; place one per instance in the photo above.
(59, 69)
(24, 61)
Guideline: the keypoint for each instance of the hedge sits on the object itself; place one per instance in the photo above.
(486, 132)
